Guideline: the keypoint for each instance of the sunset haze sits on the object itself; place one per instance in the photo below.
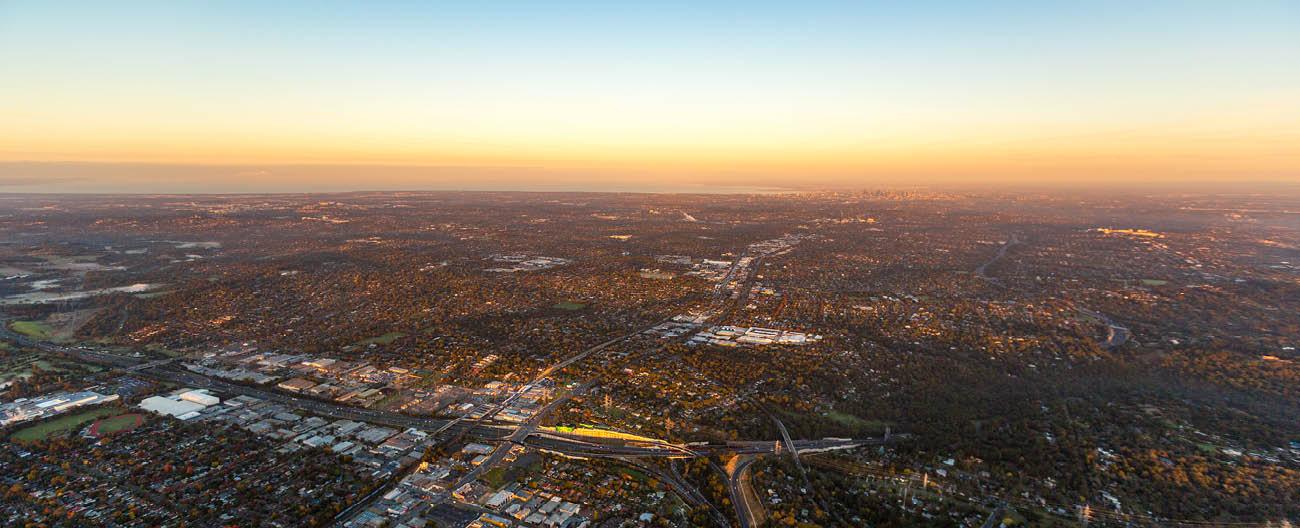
(309, 96)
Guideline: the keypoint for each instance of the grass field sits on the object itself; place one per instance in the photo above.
(528, 463)
(570, 305)
(23, 368)
(495, 477)
(383, 339)
(849, 420)
(116, 424)
(635, 474)
(62, 424)
(32, 329)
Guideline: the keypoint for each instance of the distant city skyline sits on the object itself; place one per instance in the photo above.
(248, 97)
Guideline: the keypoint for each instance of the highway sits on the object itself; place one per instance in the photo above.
(328, 409)
(687, 492)
(512, 437)
(1116, 335)
(164, 370)
(720, 290)
(1002, 252)
(573, 445)
(789, 444)
(482, 428)
(749, 509)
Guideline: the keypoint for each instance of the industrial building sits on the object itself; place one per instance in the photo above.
(185, 404)
(24, 409)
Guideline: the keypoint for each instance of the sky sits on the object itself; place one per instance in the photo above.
(179, 96)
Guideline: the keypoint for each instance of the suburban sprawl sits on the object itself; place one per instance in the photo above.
(602, 360)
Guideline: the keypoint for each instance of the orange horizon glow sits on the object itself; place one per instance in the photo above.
(690, 103)
(1206, 151)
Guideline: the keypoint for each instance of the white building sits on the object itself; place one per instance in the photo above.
(24, 409)
(200, 397)
(171, 406)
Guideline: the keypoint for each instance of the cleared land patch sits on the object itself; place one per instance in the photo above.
(854, 422)
(32, 329)
(61, 424)
(116, 424)
(383, 339)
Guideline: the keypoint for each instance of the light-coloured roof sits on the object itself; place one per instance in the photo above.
(164, 405)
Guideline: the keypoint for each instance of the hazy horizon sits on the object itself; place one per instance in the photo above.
(167, 97)
(137, 179)
(576, 263)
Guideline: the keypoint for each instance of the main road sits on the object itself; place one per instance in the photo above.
(481, 427)
(1116, 335)
(1002, 252)
(749, 508)
(576, 445)
(512, 438)
(164, 370)
(484, 428)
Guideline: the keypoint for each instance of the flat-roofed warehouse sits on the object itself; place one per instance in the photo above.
(169, 406)
(200, 397)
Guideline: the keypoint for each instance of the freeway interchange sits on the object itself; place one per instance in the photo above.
(635, 451)
(484, 427)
